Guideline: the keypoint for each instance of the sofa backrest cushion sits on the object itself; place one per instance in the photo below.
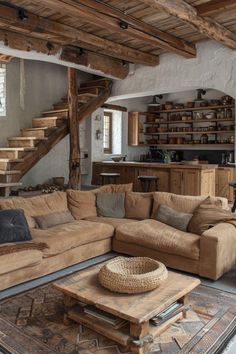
(183, 203)
(39, 205)
(138, 205)
(82, 204)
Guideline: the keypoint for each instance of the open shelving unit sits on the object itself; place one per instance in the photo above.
(221, 130)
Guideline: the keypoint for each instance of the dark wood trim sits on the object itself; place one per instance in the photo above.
(110, 115)
(114, 107)
(74, 162)
(215, 6)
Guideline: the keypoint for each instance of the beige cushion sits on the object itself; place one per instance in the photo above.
(19, 260)
(81, 204)
(111, 221)
(115, 188)
(183, 203)
(39, 205)
(155, 235)
(207, 215)
(67, 236)
(111, 204)
(53, 219)
(138, 205)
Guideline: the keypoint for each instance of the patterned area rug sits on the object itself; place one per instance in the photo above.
(32, 324)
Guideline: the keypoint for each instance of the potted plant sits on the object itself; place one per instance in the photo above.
(167, 155)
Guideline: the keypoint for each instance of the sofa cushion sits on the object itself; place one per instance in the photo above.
(19, 260)
(138, 205)
(14, 227)
(82, 204)
(111, 204)
(53, 219)
(183, 203)
(64, 237)
(39, 205)
(115, 188)
(173, 218)
(207, 215)
(115, 222)
(156, 235)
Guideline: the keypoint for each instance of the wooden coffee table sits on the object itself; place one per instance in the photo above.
(136, 309)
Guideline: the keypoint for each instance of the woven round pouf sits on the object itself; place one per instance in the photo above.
(132, 275)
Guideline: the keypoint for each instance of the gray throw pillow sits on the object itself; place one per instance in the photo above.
(53, 219)
(13, 226)
(173, 218)
(111, 205)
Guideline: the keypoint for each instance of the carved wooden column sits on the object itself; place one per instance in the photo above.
(74, 162)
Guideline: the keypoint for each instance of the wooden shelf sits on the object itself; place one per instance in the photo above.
(193, 133)
(192, 121)
(195, 109)
(190, 146)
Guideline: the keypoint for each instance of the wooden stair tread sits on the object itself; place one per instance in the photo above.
(42, 128)
(10, 160)
(11, 172)
(49, 118)
(55, 111)
(18, 149)
(4, 185)
(26, 138)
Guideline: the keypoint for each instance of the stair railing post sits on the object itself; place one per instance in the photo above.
(74, 161)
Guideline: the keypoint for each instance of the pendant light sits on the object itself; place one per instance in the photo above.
(155, 101)
(200, 93)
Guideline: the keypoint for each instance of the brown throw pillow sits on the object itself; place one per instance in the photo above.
(207, 215)
(138, 205)
(53, 219)
(82, 204)
(173, 218)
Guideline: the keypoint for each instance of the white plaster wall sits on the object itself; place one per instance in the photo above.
(214, 67)
(45, 84)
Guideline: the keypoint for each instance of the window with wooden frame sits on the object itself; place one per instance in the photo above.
(107, 132)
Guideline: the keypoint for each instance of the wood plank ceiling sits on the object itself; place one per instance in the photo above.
(112, 32)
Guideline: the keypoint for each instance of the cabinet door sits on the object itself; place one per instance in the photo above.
(223, 177)
(162, 174)
(176, 181)
(191, 182)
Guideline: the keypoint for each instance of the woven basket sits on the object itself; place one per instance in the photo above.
(132, 275)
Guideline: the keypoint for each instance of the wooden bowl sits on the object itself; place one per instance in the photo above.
(116, 158)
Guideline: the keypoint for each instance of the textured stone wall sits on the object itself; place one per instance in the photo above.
(2, 90)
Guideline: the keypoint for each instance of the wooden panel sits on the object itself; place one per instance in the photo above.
(191, 182)
(162, 174)
(224, 175)
(176, 177)
(208, 182)
(133, 129)
(127, 174)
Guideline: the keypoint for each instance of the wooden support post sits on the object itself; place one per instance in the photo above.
(74, 163)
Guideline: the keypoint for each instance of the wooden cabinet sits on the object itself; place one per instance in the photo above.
(224, 175)
(192, 181)
(184, 182)
(127, 175)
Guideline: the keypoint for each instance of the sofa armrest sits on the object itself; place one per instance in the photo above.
(217, 250)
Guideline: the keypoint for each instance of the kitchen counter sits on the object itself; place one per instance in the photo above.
(170, 165)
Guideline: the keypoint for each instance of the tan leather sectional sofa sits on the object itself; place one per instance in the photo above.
(209, 255)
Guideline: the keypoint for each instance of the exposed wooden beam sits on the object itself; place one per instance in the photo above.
(114, 107)
(113, 19)
(107, 65)
(215, 6)
(51, 30)
(208, 27)
(74, 161)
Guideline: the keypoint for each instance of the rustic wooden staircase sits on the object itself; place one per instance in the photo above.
(25, 150)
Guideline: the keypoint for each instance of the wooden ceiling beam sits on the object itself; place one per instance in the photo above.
(187, 13)
(105, 65)
(55, 31)
(101, 15)
(215, 6)
(5, 58)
